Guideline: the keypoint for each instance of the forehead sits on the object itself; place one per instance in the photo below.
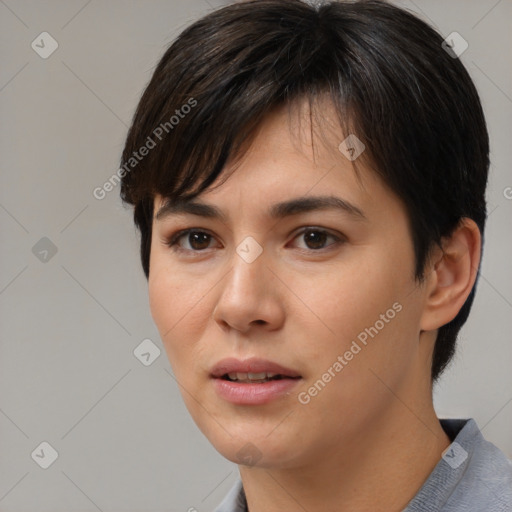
(297, 152)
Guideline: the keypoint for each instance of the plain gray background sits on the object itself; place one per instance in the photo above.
(70, 321)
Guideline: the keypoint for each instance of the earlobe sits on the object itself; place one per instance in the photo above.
(452, 277)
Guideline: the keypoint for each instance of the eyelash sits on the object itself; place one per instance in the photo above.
(173, 241)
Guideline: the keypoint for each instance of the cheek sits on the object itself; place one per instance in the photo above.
(171, 293)
(161, 298)
(179, 307)
(362, 309)
(350, 298)
(170, 303)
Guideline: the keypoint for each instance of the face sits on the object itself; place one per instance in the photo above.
(287, 326)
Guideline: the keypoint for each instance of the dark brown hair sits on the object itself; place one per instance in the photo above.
(412, 103)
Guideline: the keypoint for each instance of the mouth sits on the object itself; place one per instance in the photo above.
(254, 378)
(251, 370)
(253, 381)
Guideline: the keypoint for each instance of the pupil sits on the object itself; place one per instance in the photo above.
(311, 238)
(195, 240)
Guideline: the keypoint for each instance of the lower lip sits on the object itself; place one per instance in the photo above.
(253, 394)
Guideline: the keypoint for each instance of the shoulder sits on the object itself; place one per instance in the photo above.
(486, 479)
(472, 475)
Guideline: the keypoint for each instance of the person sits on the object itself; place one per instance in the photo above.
(309, 184)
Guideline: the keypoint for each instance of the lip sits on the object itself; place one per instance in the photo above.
(240, 393)
(252, 365)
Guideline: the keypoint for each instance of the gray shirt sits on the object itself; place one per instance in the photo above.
(473, 475)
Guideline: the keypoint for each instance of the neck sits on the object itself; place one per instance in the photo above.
(380, 470)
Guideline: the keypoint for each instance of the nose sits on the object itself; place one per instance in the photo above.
(249, 297)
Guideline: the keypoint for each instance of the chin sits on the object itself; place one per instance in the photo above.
(252, 448)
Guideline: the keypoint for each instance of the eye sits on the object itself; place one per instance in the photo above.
(315, 238)
(198, 240)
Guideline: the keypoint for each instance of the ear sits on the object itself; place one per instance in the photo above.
(451, 275)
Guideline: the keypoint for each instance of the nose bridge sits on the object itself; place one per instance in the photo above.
(246, 296)
(249, 273)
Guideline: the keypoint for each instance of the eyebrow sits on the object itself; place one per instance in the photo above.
(277, 211)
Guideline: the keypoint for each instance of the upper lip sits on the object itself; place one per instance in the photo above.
(252, 365)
